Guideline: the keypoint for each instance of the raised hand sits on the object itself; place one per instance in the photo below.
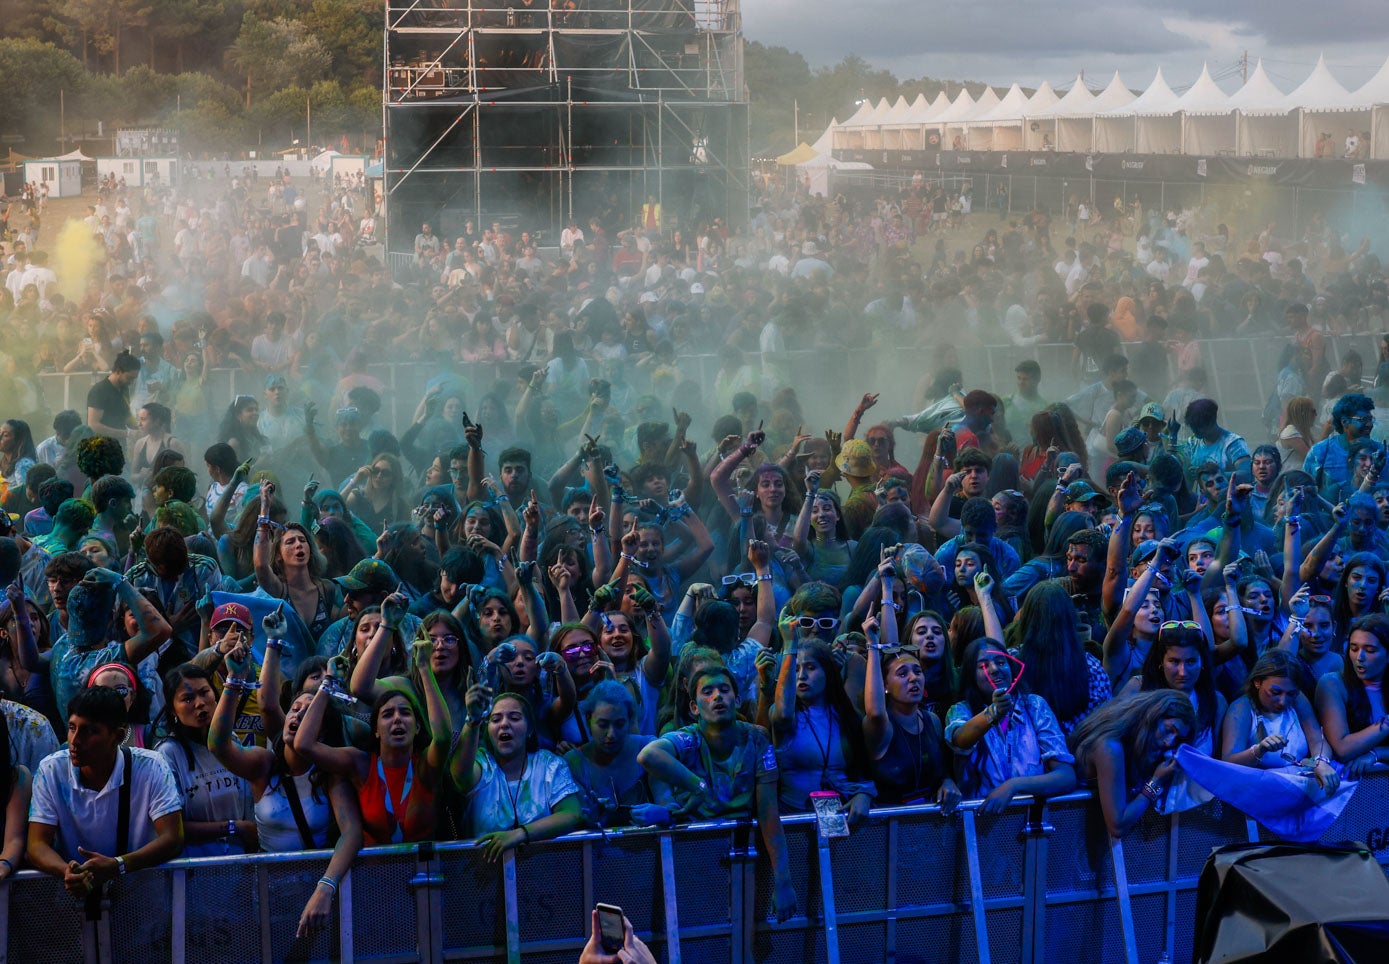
(275, 624)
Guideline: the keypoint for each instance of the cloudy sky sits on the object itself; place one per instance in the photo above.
(1028, 41)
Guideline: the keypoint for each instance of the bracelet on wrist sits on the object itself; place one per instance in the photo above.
(241, 685)
(764, 577)
(280, 646)
(1151, 791)
(330, 883)
(596, 530)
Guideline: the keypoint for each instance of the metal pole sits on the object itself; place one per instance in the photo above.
(513, 910)
(976, 886)
(345, 949)
(1121, 892)
(668, 898)
(827, 898)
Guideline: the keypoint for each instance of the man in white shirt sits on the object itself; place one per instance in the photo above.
(40, 275)
(80, 793)
(1158, 269)
(1198, 261)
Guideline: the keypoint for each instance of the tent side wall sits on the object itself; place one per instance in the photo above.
(1267, 135)
(1208, 133)
(347, 165)
(1074, 134)
(1313, 123)
(1114, 135)
(1158, 135)
(1007, 137)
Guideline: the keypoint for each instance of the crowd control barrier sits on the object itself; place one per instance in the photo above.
(1037, 882)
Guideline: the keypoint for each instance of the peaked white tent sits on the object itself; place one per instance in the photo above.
(985, 104)
(1040, 105)
(885, 137)
(1001, 128)
(1149, 124)
(1375, 96)
(1263, 125)
(955, 115)
(1208, 123)
(848, 136)
(1324, 107)
(815, 173)
(1073, 118)
(902, 132)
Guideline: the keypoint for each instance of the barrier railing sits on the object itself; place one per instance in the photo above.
(1036, 882)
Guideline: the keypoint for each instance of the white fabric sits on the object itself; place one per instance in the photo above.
(496, 804)
(87, 818)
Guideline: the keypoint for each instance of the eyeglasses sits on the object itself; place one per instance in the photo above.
(1319, 600)
(745, 578)
(449, 640)
(1179, 624)
(122, 691)
(378, 472)
(577, 651)
(811, 622)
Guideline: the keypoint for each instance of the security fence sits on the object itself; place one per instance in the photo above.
(1037, 882)
(1242, 373)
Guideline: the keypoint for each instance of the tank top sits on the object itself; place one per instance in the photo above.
(1375, 693)
(913, 763)
(397, 806)
(275, 817)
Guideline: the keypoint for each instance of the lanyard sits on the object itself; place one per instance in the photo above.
(824, 747)
(397, 834)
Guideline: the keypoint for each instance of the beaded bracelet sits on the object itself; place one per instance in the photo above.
(280, 646)
(241, 685)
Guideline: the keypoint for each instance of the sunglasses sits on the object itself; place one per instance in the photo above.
(1179, 624)
(745, 578)
(577, 651)
(377, 472)
(811, 622)
(121, 691)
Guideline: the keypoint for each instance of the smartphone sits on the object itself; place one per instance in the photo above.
(611, 933)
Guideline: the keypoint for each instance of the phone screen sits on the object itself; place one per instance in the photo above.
(610, 930)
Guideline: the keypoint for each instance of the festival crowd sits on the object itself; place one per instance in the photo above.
(593, 594)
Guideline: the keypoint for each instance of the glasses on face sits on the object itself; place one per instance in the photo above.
(576, 651)
(449, 640)
(122, 690)
(380, 471)
(812, 622)
(741, 578)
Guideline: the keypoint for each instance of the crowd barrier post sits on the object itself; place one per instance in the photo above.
(1036, 836)
(668, 899)
(513, 908)
(426, 884)
(827, 899)
(976, 885)
(742, 858)
(345, 954)
(1121, 892)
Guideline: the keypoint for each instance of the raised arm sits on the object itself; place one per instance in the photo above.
(463, 766)
(1316, 558)
(262, 550)
(26, 647)
(763, 629)
(868, 400)
(252, 763)
(346, 760)
(477, 468)
(1292, 551)
(1117, 639)
(365, 683)
(983, 588)
(877, 722)
(224, 501)
(939, 517)
(656, 664)
(721, 479)
(689, 563)
(801, 530)
(151, 631)
(1116, 573)
(436, 757)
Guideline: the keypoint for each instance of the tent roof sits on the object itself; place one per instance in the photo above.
(959, 109)
(1157, 100)
(1114, 96)
(1077, 102)
(1259, 95)
(882, 110)
(1204, 96)
(1041, 101)
(824, 144)
(857, 117)
(76, 155)
(937, 107)
(1375, 90)
(984, 105)
(1009, 109)
(799, 154)
(1320, 91)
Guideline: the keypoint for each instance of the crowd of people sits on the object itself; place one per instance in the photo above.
(596, 594)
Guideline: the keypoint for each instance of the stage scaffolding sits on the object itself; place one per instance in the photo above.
(535, 114)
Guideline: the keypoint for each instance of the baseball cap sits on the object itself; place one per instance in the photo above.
(231, 613)
(1151, 410)
(1130, 440)
(369, 575)
(1142, 552)
(1081, 491)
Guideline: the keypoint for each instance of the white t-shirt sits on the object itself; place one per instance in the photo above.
(210, 793)
(496, 804)
(87, 818)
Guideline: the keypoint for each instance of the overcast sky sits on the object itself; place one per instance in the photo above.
(1028, 41)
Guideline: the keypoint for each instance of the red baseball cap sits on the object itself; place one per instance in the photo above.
(232, 613)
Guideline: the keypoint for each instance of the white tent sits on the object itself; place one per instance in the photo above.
(815, 173)
(849, 135)
(1375, 96)
(1208, 123)
(1263, 126)
(876, 140)
(1039, 105)
(958, 111)
(1073, 118)
(985, 104)
(901, 133)
(1001, 128)
(922, 121)
(1324, 107)
(1148, 124)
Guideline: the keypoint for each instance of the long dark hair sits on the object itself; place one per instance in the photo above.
(231, 430)
(969, 692)
(1044, 634)
(868, 554)
(1341, 599)
(1358, 712)
(841, 708)
(1152, 677)
(186, 737)
(339, 546)
(329, 735)
(1131, 722)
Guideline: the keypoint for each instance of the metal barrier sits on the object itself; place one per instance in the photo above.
(1037, 882)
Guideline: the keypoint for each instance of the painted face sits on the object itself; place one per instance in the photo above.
(96, 552)
(744, 600)
(608, 726)
(1363, 526)
(580, 651)
(1199, 557)
(516, 480)
(477, 523)
(1318, 632)
(1170, 734)
(1275, 694)
(771, 490)
(295, 549)
(992, 671)
(1362, 585)
(810, 680)
(715, 700)
(524, 667)
(617, 640)
(1333, 567)
(1259, 597)
(651, 545)
(824, 516)
(1367, 655)
(966, 565)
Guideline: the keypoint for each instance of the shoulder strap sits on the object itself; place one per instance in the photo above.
(297, 808)
(123, 805)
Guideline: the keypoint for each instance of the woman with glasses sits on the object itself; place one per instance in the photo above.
(450, 658)
(1273, 725)
(1351, 704)
(1127, 750)
(820, 535)
(902, 736)
(122, 679)
(1007, 741)
(376, 492)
